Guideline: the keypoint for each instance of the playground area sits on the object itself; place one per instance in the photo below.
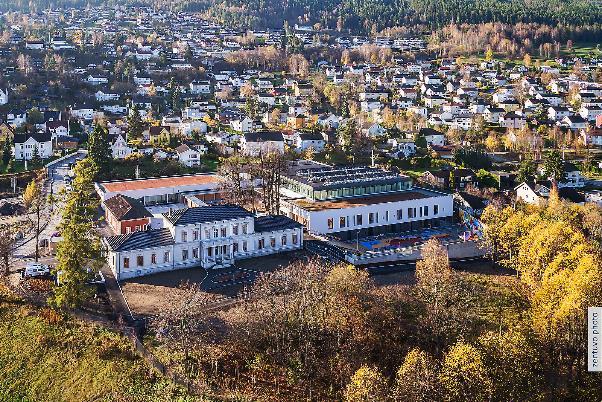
(394, 241)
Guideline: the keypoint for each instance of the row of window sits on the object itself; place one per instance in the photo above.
(373, 217)
(211, 251)
(217, 232)
(140, 260)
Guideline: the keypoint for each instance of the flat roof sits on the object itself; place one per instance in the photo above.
(354, 202)
(158, 182)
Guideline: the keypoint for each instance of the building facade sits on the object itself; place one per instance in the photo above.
(359, 201)
(208, 237)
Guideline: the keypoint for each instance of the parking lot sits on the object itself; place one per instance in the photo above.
(149, 295)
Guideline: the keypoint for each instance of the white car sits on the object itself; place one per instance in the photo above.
(36, 269)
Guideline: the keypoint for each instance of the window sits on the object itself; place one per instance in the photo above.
(295, 238)
(244, 245)
(260, 244)
(184, 236)
(371, 217)
(420, 210)
(184, 255)
(137, 228)
(128, 229)
(195, 253)
(207, 234)
(153, 258)
(411, 213)
(223, 230)
(342, 221)
(386, 216)
(166, 256)
(399, 214)
(210, 251)
(244, 228)
(224, 249)
(140, 260)
(235, 247)
(195, 235)
(272, 242)
(235, 230)
(283, 240)
(426, 210)
(359, 219)
(330, 223)
(215, 232)
(126, 262)
(435, 209)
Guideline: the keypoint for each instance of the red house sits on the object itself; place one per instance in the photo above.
(125, 214)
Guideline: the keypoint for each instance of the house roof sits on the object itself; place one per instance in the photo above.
(213, 213)
(126, 208)
(140, 240)
(473, 201)
(270, 223)
(570, 194)
(159, 182)
(311, 137)
(261, 136)
(38, 137)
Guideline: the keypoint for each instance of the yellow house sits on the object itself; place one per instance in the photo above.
(159, 135)
(297, 121)
(6, 132)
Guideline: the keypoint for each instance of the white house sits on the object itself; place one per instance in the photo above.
(188, 156)
(3, 96)
(120, 148)
(303, 141)
(25, 145)
(262, 142)
(200, 87)
(209, 237)
(16, 118)
(243, 124)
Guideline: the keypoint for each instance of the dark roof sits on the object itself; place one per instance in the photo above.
(126, 208)
(156, 130)
(140, 240)
(213, 213)
(261, 136)
(473, 201)
(569, 193)
(39, 137)
(270, 223)
(311, 137)
(429, 131)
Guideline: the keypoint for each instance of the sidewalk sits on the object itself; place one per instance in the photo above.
(120, 305)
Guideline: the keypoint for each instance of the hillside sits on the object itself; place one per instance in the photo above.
(363, 14)
(46, 358)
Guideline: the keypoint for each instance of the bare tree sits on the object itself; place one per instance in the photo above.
(35, 200)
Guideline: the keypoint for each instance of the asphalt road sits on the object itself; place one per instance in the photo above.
(55, 182)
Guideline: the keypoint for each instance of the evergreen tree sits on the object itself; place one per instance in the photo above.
(99, 150)
(36, 160)
(135, 126)
(526, 171)
(554, 166)
(80, 248)
(7, 152)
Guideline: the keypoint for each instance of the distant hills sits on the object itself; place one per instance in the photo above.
(363, 14)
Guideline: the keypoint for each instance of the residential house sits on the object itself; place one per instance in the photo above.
(25, 145)
(188, 156)
(262, 142)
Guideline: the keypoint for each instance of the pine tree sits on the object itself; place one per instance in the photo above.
(7, 152)
(36, 160)
(99, 150)
(554, 167)
(80, 248)
(135, 127)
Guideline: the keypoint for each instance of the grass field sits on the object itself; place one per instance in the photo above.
(44, 357)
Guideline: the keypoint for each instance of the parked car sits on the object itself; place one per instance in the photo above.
(35, 269)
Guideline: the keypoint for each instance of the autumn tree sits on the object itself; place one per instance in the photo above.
(464, 376)
(35, 200)
(417, 378)
(366, 385)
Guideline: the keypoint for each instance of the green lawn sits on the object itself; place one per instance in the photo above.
(44, 357)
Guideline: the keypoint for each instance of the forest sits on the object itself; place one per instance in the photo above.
(359, 15)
